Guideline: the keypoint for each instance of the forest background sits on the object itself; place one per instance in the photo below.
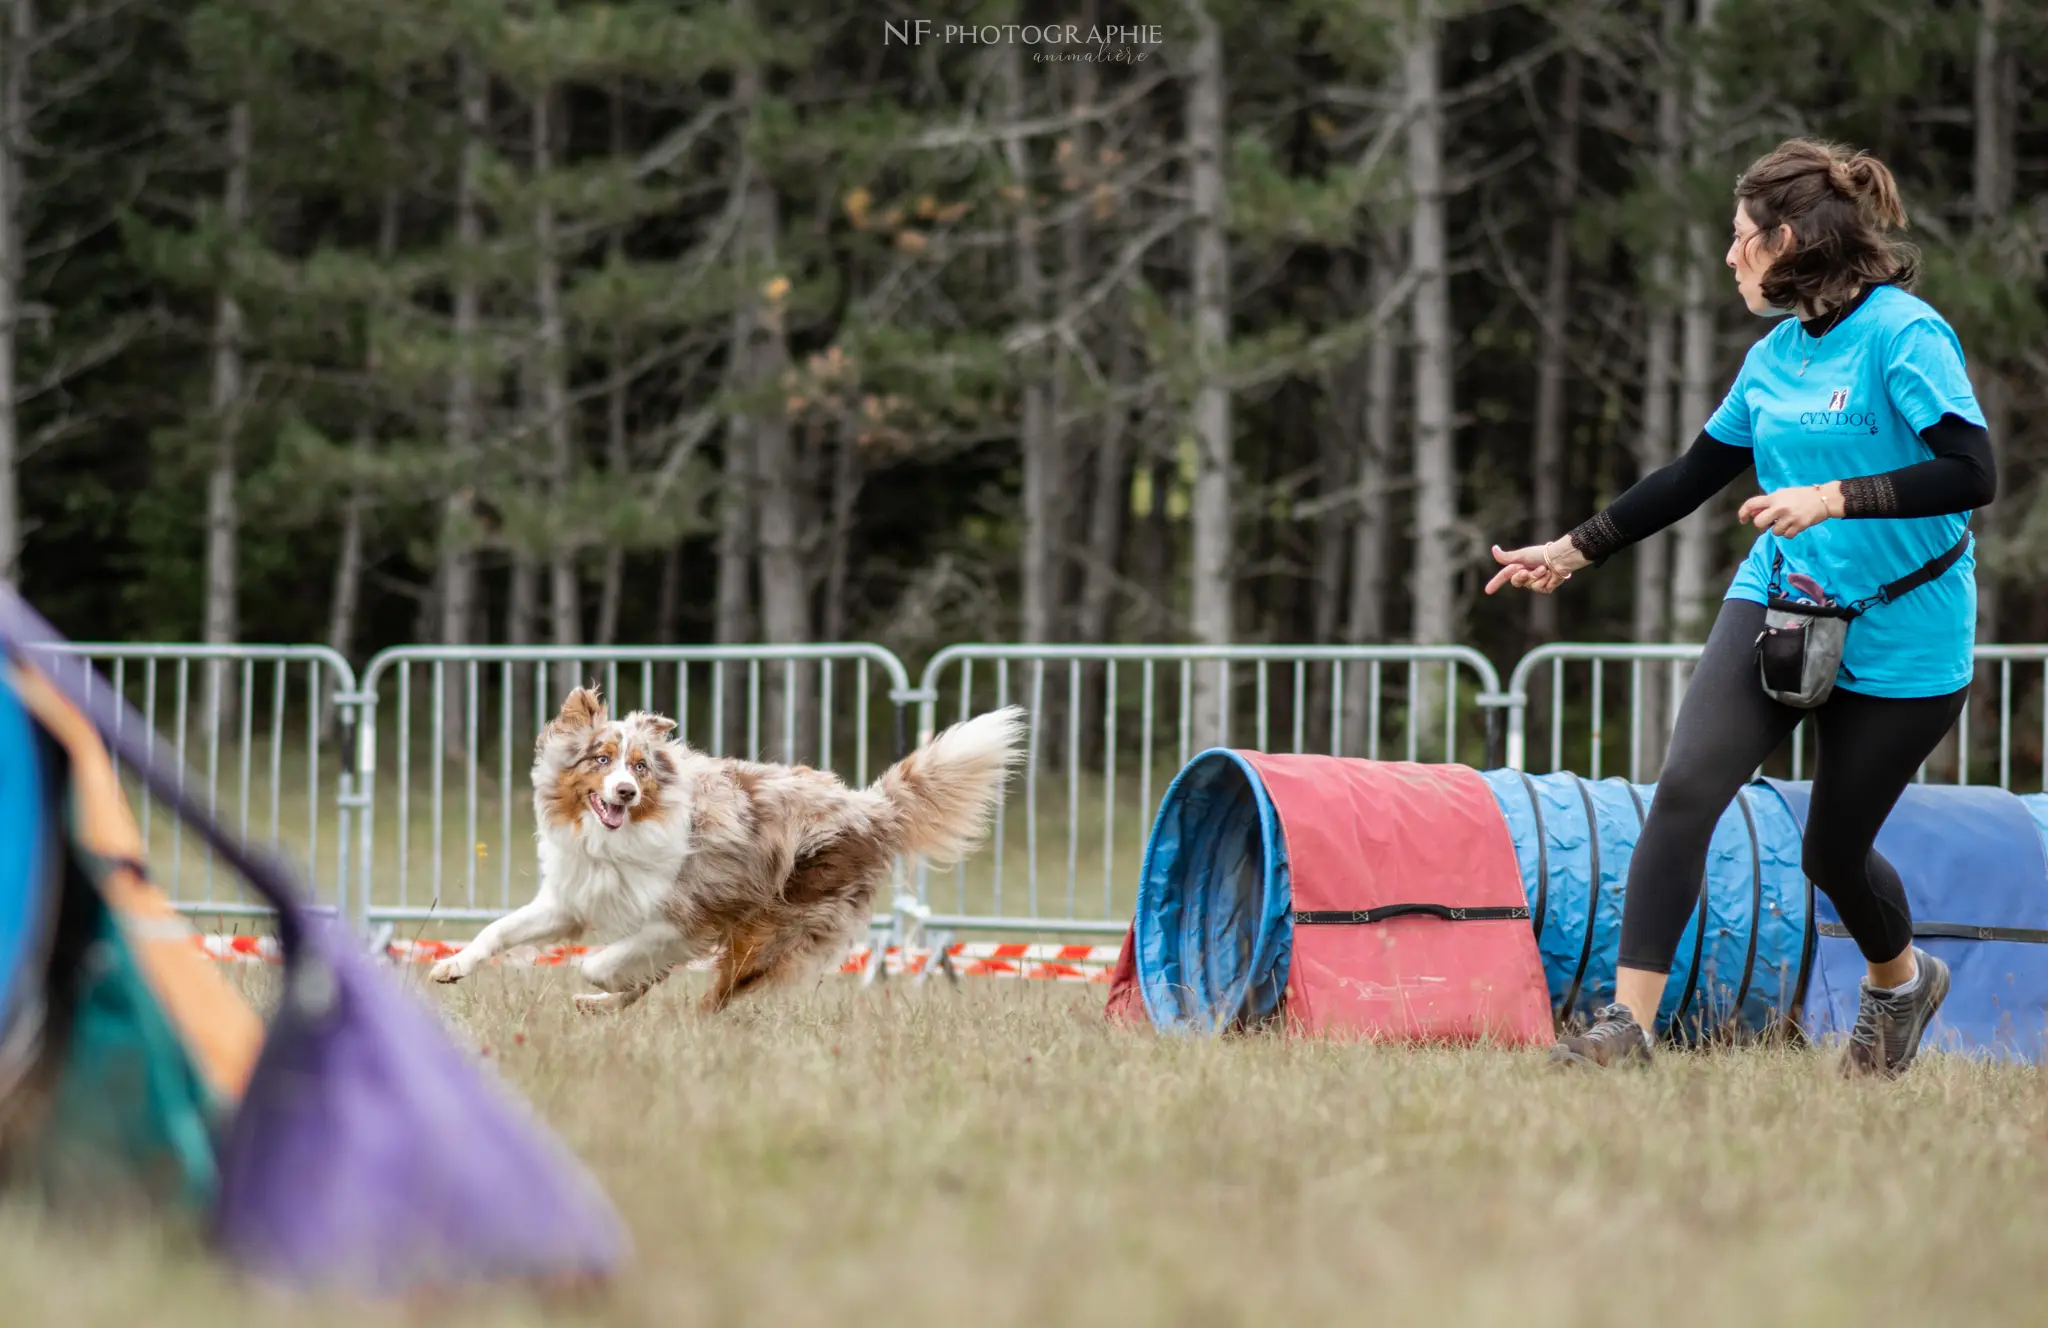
(469, 321)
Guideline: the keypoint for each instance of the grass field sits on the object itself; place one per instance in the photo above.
(997, 1154)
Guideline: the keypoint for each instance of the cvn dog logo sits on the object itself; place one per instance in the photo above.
(1838, 418)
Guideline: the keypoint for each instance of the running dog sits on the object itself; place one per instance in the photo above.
(773, 868)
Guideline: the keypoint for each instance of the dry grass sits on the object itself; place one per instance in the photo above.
(998, 1154)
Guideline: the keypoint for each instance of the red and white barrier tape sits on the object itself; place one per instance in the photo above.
(1050, 963)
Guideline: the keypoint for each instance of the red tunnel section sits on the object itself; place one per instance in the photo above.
(1366, 836)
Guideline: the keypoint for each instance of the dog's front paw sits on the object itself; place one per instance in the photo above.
(599, 1002)
(600, 968)
(451, 969)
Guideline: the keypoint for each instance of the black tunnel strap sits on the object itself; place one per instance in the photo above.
(1961, 931)
(1359, 917)
(1699, 951)
(1809, 945)
(1571, 995)
(1542, 908)
(1756, 902)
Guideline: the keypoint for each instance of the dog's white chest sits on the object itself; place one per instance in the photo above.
(612, 894)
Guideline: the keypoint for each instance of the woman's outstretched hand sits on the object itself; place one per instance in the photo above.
(1540, 567)
(1789, 511)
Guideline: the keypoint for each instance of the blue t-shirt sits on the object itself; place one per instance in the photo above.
(1887, 371)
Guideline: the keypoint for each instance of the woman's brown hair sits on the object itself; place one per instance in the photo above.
(1841, 206)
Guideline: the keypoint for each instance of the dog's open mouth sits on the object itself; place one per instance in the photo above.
(612, 816)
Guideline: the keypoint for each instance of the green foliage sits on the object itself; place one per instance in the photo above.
(1270, 206)
(893, 274)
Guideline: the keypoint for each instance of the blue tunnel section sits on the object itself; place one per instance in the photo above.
(1212, 930)
(1763, 946)
(1741, 958)
(1976, 874)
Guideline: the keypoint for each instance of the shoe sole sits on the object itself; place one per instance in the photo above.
(1563, 1055)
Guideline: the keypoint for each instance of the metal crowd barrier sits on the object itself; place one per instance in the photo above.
(1577, 729)
(406, 798)
(263, 730)
(1112, 725)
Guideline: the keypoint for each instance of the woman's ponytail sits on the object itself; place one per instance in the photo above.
(1870, 182)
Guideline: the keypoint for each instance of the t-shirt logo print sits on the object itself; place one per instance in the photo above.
(1840, 400)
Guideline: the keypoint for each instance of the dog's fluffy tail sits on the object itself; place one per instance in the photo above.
(947, 790)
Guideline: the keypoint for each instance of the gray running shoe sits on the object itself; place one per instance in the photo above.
(1890, 1024)
(1614, 1039)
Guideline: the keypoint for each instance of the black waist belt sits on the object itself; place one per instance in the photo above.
(1359, 917)
(1961, 931)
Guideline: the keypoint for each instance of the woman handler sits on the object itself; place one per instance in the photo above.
(1871, 450)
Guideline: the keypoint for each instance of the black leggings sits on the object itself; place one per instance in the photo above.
(1870, 748)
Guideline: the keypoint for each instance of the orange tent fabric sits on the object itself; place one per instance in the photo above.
(219, 1028)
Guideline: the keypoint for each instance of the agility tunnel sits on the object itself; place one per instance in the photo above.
(1417, 902)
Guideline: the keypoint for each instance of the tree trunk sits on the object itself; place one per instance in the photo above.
(348, 560)
(1435, 579)
(348, 563)
(839, 545)
(1366, 615)
(1991, 198)
(1081, 524)
(1337, 453)
(785, 584)
(565, 616)
(611, 589)
(15, 37)
(1156, 546)
(1692, 601)
(457, 573)
(1652, 555)
(522, 606)
(223, 519)
(1549, 461)
(616, 462)
(1038, 438)
(1109, 500)
(1654, 441)
(737, 553)
(1211, 589)
(1109, 497)
(344, 603)
(1340, 443)
(668, 600)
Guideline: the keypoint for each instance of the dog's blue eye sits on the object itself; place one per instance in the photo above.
(604, 760)
(640, 767)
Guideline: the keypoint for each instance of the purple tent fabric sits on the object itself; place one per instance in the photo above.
(370, 1151)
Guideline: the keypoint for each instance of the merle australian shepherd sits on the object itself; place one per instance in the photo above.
(677, 855)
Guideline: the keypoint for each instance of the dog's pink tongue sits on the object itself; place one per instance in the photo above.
(614, 817)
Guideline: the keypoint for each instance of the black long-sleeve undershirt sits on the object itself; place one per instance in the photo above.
(1961, 476)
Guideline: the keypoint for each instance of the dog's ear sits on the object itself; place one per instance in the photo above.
(583, 709)
(662, 725)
